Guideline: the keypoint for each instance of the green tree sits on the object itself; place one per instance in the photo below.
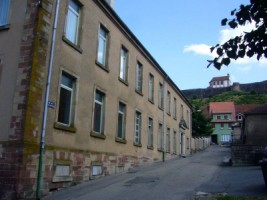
(201, 125)
(249, 43)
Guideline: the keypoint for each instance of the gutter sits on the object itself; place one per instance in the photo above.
(42, 141)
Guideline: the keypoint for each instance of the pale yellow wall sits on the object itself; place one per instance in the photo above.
(91, 76)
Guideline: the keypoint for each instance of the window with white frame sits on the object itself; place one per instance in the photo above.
(151, 88)
(102, 46)
(161, 95)
(73, 21)
(168, 102)
(174, 108)
(174, 142)
(99, 112)
(139, 77)
(168, 140)
(150, 132)
(124, 64)
(121, 120)
(66, 98)
(160, 137)
(4, 12)
(138, 123)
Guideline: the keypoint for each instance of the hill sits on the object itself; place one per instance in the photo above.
(238, 97)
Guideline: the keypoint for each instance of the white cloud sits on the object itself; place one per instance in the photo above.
(200, 49)
(245, 69)
(225, 35)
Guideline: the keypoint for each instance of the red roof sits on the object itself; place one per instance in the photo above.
(261, 109)
(222, 108)
(245, 108)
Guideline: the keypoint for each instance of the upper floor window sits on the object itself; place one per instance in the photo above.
(182, 111)
(151, 88)
(99, 112)
(139, 77)
(218, 117)
(66, 99)
(4, 12)
(168, 102)
(72, 22)
(102, 46)
(124, 64)
(174, 108)
(121, 121)
(161, 94)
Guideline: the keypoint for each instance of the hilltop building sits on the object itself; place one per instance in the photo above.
(81, 97)
(220, 82)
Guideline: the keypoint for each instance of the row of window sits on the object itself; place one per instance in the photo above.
(71, 33)
(66, 113)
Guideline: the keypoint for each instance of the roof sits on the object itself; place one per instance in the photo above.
(222, 108)
(244, 108)
(220, 78)
(135, 41)
(258, 110)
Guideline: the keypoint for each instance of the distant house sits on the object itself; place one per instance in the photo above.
(240, 110)
(254, 131)
(220, 82)
(223, 117)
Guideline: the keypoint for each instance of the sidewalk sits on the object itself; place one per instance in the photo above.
(237, 181)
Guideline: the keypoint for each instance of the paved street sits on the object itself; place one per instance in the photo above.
(177, 179)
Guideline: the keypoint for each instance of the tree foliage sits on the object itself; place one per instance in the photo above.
(201, 125)
(248, 43)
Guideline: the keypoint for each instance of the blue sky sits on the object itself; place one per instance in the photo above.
(178, 34)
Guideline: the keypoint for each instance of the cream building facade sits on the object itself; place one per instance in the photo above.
(110, 105)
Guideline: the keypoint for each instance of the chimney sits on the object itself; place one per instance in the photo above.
(110, 3)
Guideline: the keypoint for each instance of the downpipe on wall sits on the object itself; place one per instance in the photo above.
(42, 140)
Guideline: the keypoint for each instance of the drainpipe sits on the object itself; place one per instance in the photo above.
(42, 140)
(164, 123)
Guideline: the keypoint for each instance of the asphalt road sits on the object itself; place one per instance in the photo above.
(178, 179)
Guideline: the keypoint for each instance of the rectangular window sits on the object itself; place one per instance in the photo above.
(168, 102)
(99, 112)
(161, 94)
(222, 125)
(150, 132)
(72, 22)
(182, 111)
(174, 108)
(66, 107)
(225, 117)
(160, 138)
(4, 12)
(138, 122)
(218, 117)
(151, 88)
(121, 121)
(139, 77)
(174, 142)
(168, 140)
(187, 118)
(102, 46)
(124, 64)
